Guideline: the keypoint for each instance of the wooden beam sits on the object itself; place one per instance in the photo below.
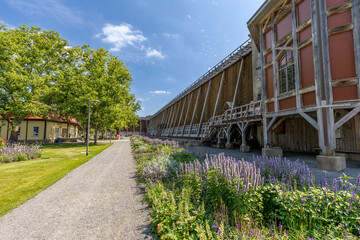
(309, 119)
(284, 48)
(219, 93)
(237, 83)
(275, 72)
(173, 121)
(356, 34)
(204, 106)
(27, 128)
(316, 36)
(278, 123)
(177, 112)
(196, 103)
(327, 74)
(272, 121)
(187, 113)
(347, 117)
(296, 54)
(263, 88)
(182, 111)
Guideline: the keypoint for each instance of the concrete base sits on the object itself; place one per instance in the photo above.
(229, 146)
(244, 148)
(219, 145)
(272, 152)
(331, 163)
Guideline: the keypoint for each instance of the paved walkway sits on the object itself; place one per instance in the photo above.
(98, 200)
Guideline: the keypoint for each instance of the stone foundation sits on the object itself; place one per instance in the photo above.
(272, 152)
(229, 146)
(331, 163)
(244, 148)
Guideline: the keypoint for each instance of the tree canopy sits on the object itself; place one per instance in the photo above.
(40, 73)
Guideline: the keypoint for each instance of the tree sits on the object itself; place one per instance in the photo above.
(31, 61)
(97, 75)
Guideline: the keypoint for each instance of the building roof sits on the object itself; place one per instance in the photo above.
(261, 13)
(54, 117)
(243, 50)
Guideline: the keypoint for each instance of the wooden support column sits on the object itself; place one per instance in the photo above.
(204, 106)
(169, 118)
(356, 33)
(177, 112)
(187, 113)
(275, 71)
(27, 128)
(45, 126)
(219, 94)
(331, 143)
(316, 36)
(182, 111)
(237, 85)
(296, 54)
(172, 118)
(263, 89)
(196, 103)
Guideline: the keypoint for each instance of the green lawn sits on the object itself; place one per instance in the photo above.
(21, 181)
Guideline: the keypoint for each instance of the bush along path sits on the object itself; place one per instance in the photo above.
(217, 197)
(98, 200)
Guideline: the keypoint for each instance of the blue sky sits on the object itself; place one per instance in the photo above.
(167, 44)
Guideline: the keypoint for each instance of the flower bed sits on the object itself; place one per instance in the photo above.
(219, 197)
(19, 152)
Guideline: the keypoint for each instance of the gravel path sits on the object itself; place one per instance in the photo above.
(98, 200)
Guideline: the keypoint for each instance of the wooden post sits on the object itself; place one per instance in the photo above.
(327, 77)
(187, 112)
(356, 33)
(263, 89)
(204, 106)
(275, 71)
(171, 119)
(177, 112)
(171, 108)
(27, 127)
(182, 111)
(237, 85)
(45, 130)
(196, 103)
(219, 93)
(296, 54)
(315, 25)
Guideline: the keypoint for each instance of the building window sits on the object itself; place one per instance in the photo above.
(57, 132)
(286, 72)
(36, 132)
(71, 132)
(18, 131)
(64, 132)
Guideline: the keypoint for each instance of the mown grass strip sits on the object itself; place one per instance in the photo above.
(21, 181)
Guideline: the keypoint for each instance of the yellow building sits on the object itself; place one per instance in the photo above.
(43, 129)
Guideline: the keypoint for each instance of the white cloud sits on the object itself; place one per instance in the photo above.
(188, 16)
(46, 8)
(160, 92)
(154, 53)
(171, 35)
(121, 36)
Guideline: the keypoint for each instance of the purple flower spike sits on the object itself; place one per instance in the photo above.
(251, 232)
(215, 226)
(310, 238)
(259, 236)
(219, 232)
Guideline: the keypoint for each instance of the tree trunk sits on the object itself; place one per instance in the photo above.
(96, 132)
(15, 124)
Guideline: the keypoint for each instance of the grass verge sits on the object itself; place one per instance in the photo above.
(21, 181)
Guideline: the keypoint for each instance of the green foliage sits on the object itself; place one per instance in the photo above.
(40, 74)
(208, 206)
